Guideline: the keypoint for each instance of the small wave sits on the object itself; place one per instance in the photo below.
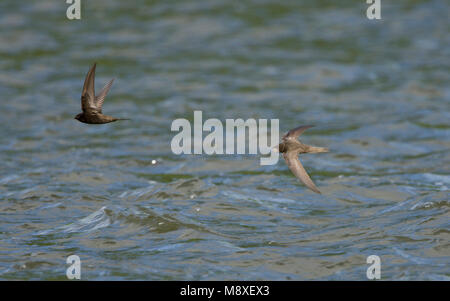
(49, 206)
(436, 277)
(426, 205)
(418, 260)
(138, 192)
(8, 179)
(420, 202)
(438, 179)
(256, 196)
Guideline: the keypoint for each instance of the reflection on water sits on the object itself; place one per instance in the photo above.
(117, 197)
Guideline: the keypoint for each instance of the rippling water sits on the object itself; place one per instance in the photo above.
(377, 91)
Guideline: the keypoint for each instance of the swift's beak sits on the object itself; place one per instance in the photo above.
(275, 149)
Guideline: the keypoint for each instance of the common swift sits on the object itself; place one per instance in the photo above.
(291, 148)
(91, 105)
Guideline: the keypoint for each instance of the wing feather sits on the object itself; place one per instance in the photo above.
(88, 93)
(295, 133)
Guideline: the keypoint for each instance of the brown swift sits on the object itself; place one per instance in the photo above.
(91, 105)
(291, 147)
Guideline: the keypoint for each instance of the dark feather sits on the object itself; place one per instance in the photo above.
(295, 133)
(298, 170)
(88, 93)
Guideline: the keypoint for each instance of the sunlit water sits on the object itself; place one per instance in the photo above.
(377, 91)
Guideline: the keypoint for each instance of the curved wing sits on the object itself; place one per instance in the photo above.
(295, 133)
(100, 98)
(88, 93)
(297, 169)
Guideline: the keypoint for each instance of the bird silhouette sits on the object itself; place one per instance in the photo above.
(91, 105)
(291, 148)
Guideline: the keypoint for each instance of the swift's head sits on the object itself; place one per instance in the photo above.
(281, 148)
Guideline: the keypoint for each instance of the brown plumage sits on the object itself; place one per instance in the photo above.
(291, 147)
(91, 105)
